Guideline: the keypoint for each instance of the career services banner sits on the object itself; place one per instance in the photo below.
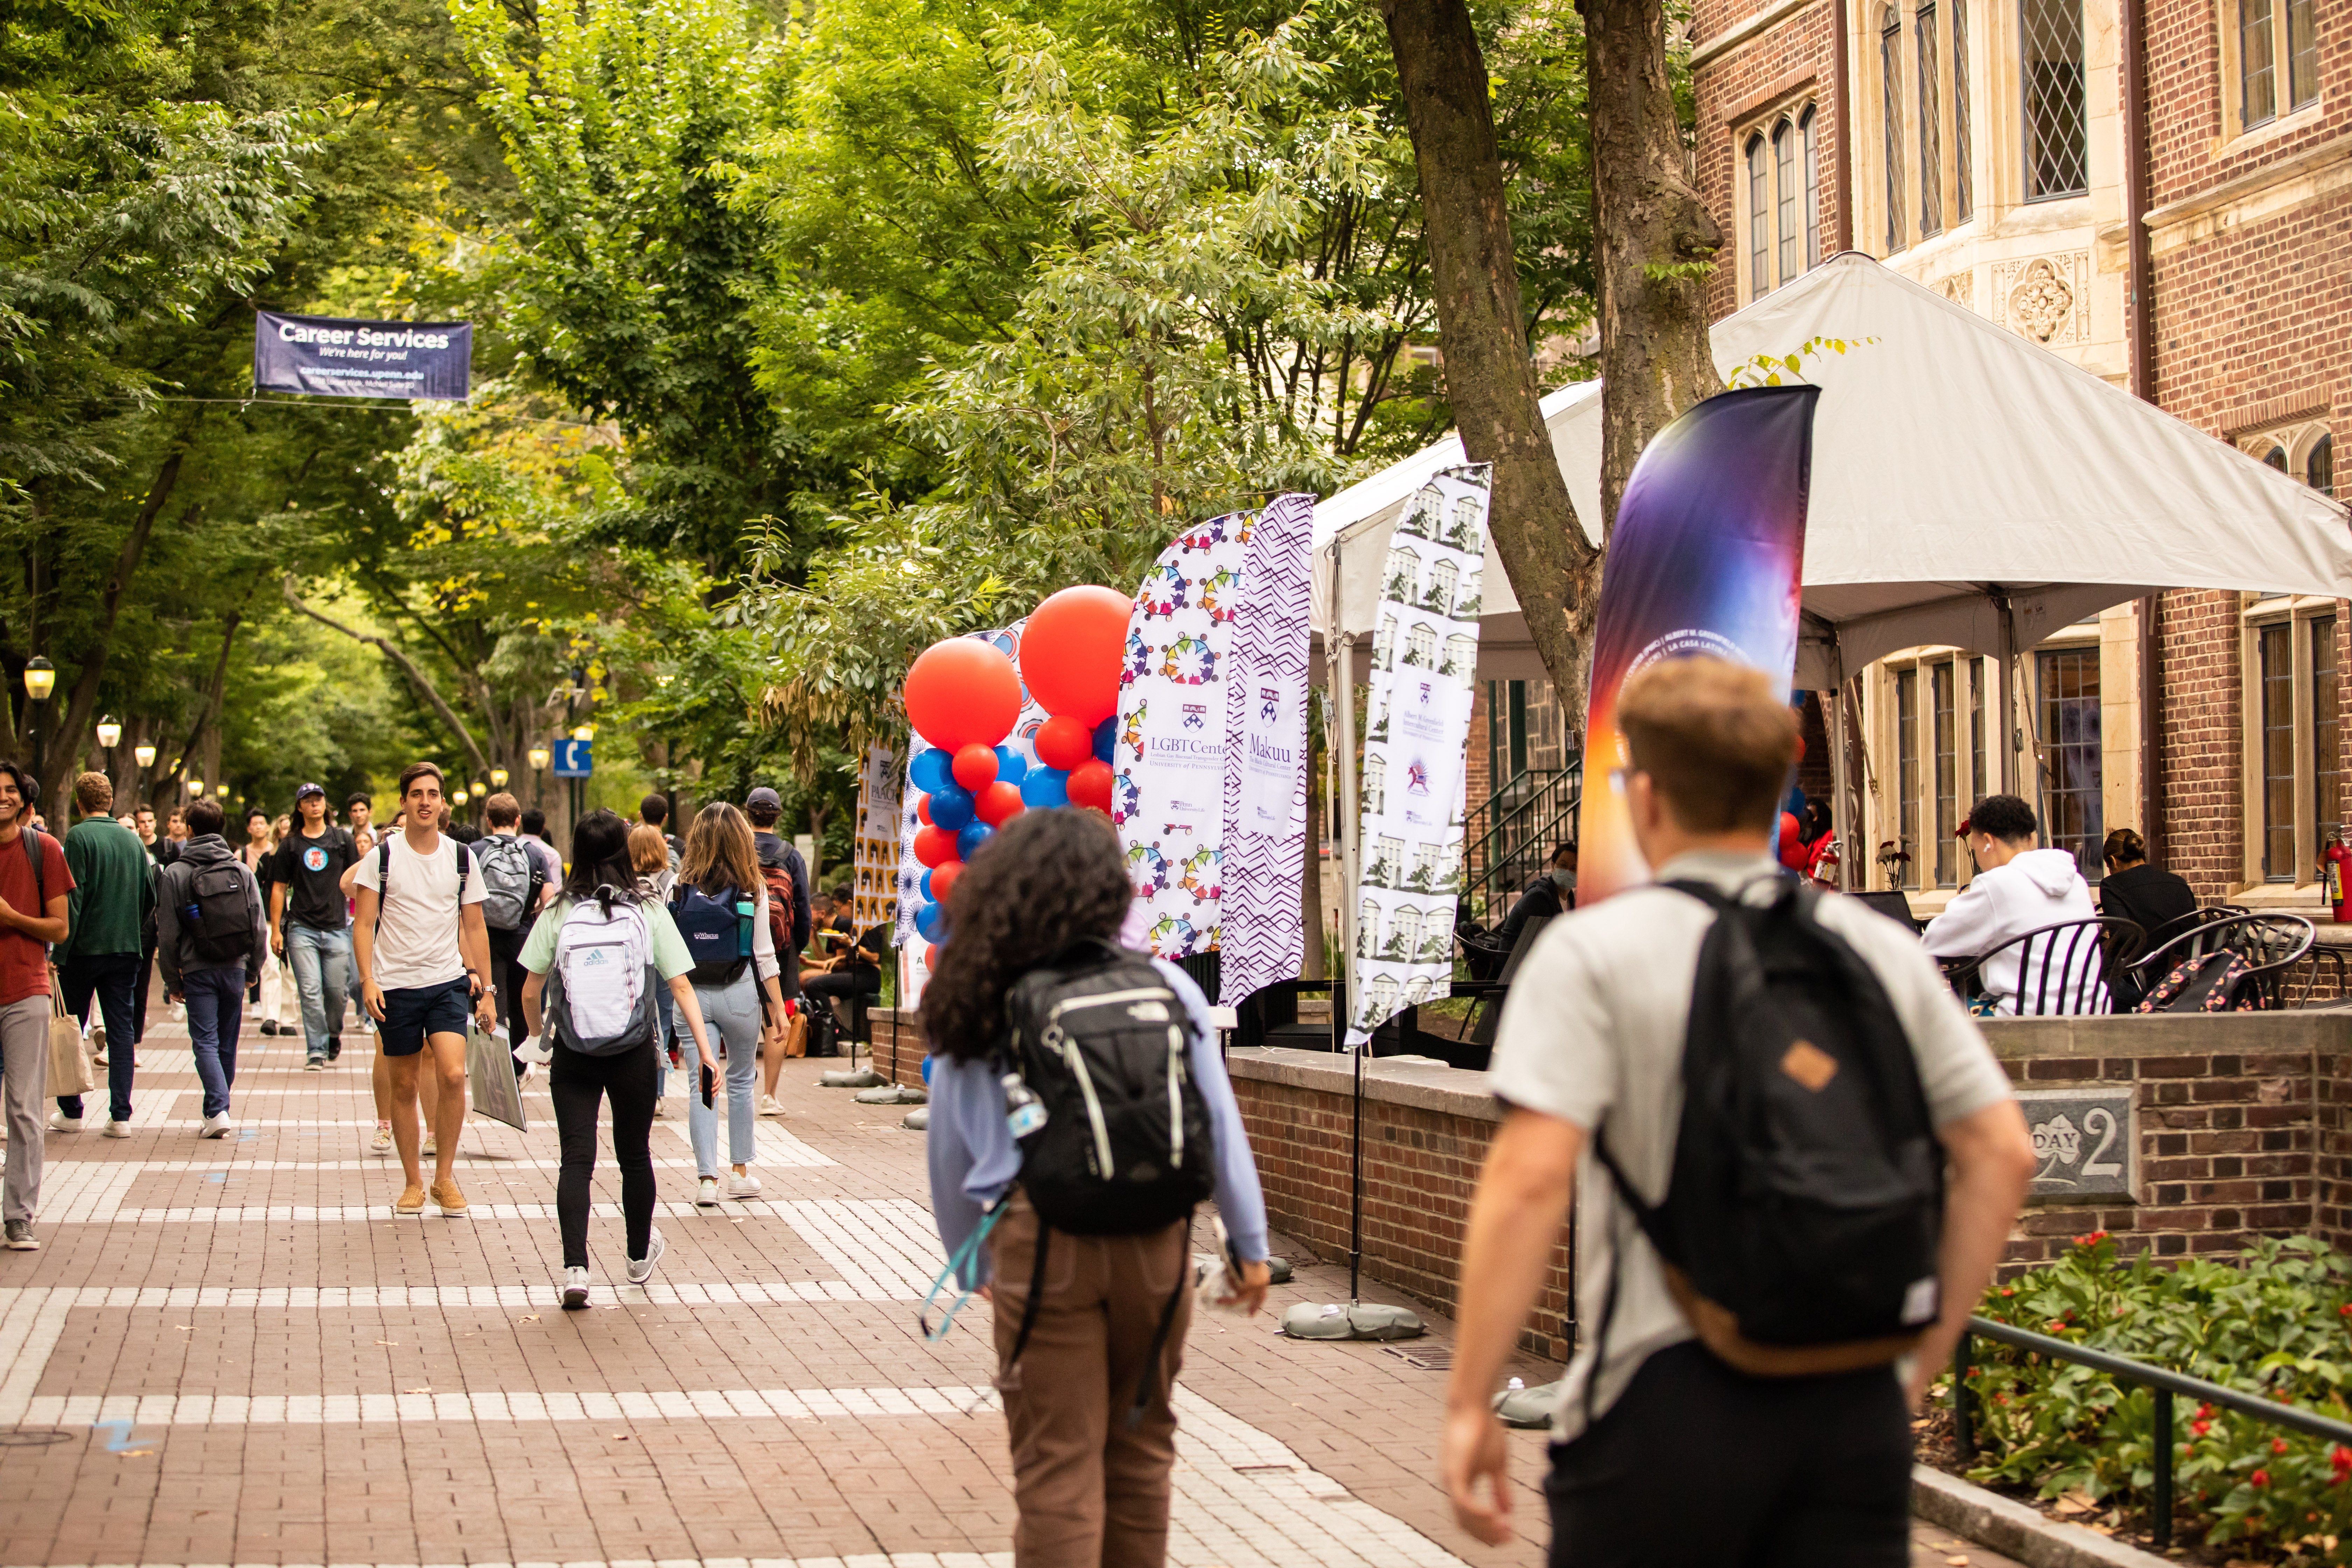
(1168, 790)
(1262, 935)
(1706, 559)
(1417, 735)
(327, 356)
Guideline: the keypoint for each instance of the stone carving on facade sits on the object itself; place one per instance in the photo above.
(1960, 288)
(2046, 298)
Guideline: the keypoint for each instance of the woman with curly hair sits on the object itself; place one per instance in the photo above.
(1090, 1476)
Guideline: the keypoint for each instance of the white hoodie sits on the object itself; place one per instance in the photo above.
(2039, 888)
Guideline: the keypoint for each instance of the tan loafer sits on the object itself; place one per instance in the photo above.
(410, 1203)
(452, 1200)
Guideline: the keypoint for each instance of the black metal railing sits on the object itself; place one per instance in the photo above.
(1510, 837)
(2163, 1384)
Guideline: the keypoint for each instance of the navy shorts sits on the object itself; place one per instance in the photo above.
(413, 1012)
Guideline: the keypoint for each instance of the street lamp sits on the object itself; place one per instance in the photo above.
(109, 732)
(196, 786)
(40, 680)
(459, 798)
(221, 790)
(584, 731)
(145, 755)
(480, 788)
(538, 755)
(498, 777)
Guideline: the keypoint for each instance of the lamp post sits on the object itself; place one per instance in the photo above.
(498, 777)
(579, 733)
(40, 680)
(144, 756)
(538, 758)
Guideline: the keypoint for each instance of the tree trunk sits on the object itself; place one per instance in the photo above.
(166, 790)
(478, 765)
(1490, 376)
(65, 746)
(1657, 241)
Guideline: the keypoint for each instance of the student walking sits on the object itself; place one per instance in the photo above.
(720, 908)
(263, 987)
(1874, 1075)
(422, 946)
(35, 889)
(142, 821)
(309, 924)
(110, 909)
(211, 931)
(790, 918)
(596, 958)
(519, 876)
(1092, 1299)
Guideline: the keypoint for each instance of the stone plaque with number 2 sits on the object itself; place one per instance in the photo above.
(2085, 1143)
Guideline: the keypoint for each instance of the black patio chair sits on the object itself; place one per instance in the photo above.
(2269, 944)
(2062, 970)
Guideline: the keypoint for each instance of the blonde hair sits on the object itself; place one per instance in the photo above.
(719, 853)
(648, 852)
(1716, 738)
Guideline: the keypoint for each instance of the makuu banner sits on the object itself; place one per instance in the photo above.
(1424, 664)
(1168, 790)
(326, 356)
(1263, 936)
(1709, 543)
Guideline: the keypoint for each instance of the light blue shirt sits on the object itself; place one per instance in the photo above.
(973, 1159)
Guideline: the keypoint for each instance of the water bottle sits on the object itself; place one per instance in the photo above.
(1024, 1112)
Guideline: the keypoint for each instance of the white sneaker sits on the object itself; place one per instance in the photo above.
(381, 1142)
(575, 1290)
(60, 1123)
(661, 1109)
(114, 1128)
(746, 1185)
(642, 1269)
(768, 1106)
(218, 1126)
(705, 1191)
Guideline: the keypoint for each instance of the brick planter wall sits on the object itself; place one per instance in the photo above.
(897, 1046)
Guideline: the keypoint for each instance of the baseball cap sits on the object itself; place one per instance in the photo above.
(763, 796)
(304, 792)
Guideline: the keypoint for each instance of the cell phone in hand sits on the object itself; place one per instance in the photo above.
(710, 1085)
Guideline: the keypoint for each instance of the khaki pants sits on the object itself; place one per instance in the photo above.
(1090, 1489)
(24, 1080)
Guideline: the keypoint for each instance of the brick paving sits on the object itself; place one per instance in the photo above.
(231, 1353)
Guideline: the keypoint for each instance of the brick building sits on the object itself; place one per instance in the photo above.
(2026, 158)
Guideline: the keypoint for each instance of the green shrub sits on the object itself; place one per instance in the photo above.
(2279, 1325)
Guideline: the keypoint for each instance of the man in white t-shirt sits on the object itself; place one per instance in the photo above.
(422, 947)
(1813, 1469)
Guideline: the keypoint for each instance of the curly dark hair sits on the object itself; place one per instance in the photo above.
(1046, 880)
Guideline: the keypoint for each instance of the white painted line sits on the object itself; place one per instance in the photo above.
(499, 1406)
(29, 1333)
(860, 1559)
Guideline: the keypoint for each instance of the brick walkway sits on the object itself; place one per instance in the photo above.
(230, 1354)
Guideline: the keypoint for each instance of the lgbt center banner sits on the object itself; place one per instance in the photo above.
(1706, 559)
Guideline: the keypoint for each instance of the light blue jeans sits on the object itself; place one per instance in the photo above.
(732, 1013)
(321, 961)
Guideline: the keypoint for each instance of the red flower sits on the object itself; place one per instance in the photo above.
(2260, 1477)
(2339, 1459)
(2092, 1239)
(2204, 1413)
(2278, 1445)
(2201, 1427)
(2057, 1325)
(2343, 1311)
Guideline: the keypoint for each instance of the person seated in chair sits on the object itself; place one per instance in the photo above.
(858, 973)
(2154, 899)
(1553, 893)
(2019, 889)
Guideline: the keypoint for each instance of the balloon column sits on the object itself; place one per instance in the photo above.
(1070, 656)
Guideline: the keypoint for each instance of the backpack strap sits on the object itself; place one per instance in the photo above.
(383, 877)
(40, 883)
(1135, 1412)
(1029, 1305)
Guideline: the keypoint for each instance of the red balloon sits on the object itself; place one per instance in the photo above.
(935, 846)
(999, 802)
(974, 767)
(1071, 650)
(931, 956)
(1091, 784)
(943, 879)
(1064, 743)
(923, 810)
(962, 692)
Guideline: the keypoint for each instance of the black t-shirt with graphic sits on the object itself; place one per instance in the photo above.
(312, 870)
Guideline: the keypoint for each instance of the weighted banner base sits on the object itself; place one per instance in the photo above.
(864, 1078)
(1364, 1320)
(1528, 1407)
(893, 1094)
(918, 1120)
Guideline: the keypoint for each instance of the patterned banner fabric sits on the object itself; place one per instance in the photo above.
(875, 852)
(1167, 795)
(1262, 937)
(1705, 558)
(1424, 664)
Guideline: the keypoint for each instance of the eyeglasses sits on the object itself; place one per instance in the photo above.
(1619, 777)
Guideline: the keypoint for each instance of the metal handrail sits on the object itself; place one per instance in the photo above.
(1529, 804)
(2160, 1381)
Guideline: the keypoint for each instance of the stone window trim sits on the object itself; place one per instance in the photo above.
(2296, 439)
(2236, 136)
(1756, 130)
(1976, 690)
(2297, 612)
(1916, 186)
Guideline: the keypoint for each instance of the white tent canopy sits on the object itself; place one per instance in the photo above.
(1968, 488)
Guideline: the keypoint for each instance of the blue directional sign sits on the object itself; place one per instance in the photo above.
(574, 760)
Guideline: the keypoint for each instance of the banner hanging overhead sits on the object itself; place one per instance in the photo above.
(1262, 935)
(1424, 659)
(1168, 793)
(326, 356)
(1710, 542)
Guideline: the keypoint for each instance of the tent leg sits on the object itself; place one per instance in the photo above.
(1840, 787)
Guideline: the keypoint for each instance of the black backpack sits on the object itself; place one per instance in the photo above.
(1801, 1224)
(1127, 1148)
(218, 918)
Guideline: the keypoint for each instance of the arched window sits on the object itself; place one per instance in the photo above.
(2276, 459)
(1784, 162)
(2057, 127)
(1931, 125)
(1890, 70)
(1963, 204)
(1808, 132)
(2319, 469)
(1759, 218)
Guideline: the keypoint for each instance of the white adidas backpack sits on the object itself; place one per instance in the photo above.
(600, 989)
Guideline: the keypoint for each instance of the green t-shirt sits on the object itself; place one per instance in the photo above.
(670, 957)
(113, 888)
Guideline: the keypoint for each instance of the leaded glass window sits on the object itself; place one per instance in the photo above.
(2257, 64)
(1890, 70)
(1759, 218)
(2326, 735)
(2301, 54)
(1784, 165)
(2319, 469)
(1963, 204)
(1808, 132)
(2071, 749)
(1931, 125)
(2057, 132)
(2276, 709)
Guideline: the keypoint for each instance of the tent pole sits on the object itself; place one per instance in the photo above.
(1841, 780)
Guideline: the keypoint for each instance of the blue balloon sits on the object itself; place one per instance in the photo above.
(928, 894)
(1011, 766)
(1106, 737)
(950, 807)
(971, 838)
(931, 771)
(931, 920)
(1045, 787)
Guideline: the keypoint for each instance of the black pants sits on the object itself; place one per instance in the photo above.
(578, 1082)
(507, 975)
(111, 978)
(824, 1037)
(139, 1005)
(1804, 1472)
